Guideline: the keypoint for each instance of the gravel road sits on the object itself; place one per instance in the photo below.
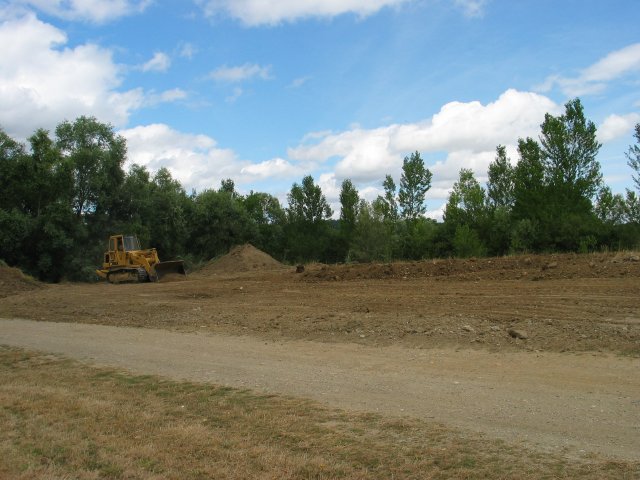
(550, 401)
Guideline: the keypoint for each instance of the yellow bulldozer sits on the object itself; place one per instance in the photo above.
(125, 261)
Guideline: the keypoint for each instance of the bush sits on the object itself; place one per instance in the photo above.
(467, 243)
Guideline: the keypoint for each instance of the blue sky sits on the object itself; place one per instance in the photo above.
(266, 91)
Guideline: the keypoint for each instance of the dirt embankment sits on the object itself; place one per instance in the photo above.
(13, 281)
(523, 267)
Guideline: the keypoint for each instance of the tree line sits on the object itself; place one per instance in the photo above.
(62, 196)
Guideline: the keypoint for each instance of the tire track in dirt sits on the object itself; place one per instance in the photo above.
(583, 403)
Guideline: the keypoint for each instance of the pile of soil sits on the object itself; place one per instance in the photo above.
(241, 258)
(523, 267)
(13, 281)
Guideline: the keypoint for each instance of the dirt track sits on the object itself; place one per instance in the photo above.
(428, 339)
(582, 403)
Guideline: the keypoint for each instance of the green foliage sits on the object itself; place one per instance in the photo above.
(633, 157)
(569, 150)
(218, 222)
(609, 208)
(387, 206)
(466, 243)
(96, 155)
(349, 201)
(373, 240)
(307, 203)
(466, 205)
(500, 187)
(524, 235)
(414, 184)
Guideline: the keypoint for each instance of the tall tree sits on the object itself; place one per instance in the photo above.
(569, 148)
(633, 157)
(349, 202)
(466, 205)
(500, 187)
(12, 154)
(307, 202)
(170, 209)
(96, 154)
(228, 186)
(414, 184)
(387, 206)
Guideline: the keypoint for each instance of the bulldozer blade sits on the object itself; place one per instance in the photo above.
(172, 267)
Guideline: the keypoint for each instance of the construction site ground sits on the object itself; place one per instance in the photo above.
(541, 349)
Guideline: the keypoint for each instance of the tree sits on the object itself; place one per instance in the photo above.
(169, 211)
(307, 203)
(349, 201)
(610, 208)
(217, 222)
(372, 239)
(228, 186)
(265, 211)
(308, 234)
(466, 205)
(465, 215)
(633, 157)
(500, 187)
(415, 181)
(387, 206)
(12, 153)
(569, 148)
(96, 155)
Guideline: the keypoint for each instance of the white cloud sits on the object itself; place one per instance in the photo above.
(42, 82)
(273, 12)
(195, 160)
(160, 62)
(98, 11)
(465, 133)
(277, 167)
(471, 8)
(594, 79)
(299, 82)
(168, 96)
(241, 73)
(235, 95)
(616, 126)
(187, 50)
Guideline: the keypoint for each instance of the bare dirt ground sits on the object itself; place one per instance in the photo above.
(563, 303)
(542, 349)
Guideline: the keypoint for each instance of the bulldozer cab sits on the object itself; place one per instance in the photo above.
(118, 245)
(131, 243)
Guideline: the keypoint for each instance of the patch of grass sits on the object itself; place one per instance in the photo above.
(60, 419)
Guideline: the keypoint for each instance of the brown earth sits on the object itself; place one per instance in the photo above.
(579, 303)
(13, 281)
(241, 258)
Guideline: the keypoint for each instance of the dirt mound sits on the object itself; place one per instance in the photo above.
(13, 281)
(523, 267)
(241, 258)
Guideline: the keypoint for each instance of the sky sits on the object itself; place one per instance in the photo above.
(267, 91)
